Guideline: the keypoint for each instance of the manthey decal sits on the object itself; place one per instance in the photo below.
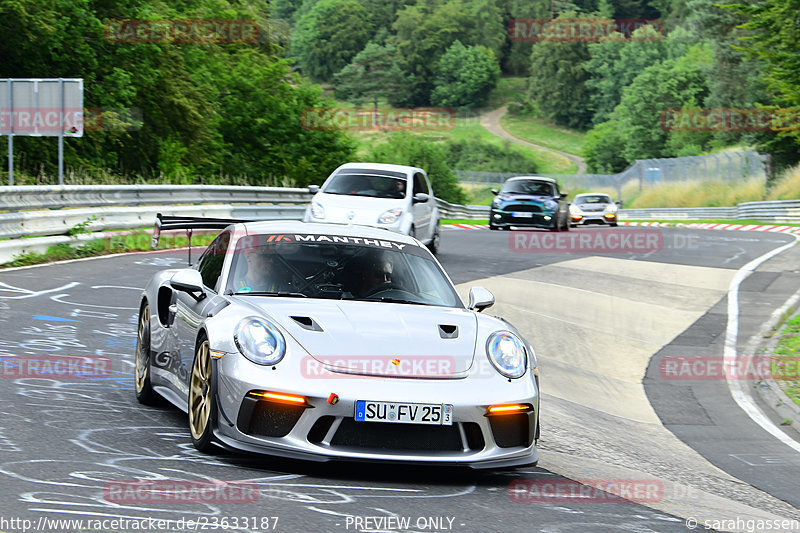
(331, 239)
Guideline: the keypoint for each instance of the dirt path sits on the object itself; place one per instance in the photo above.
(491, 121)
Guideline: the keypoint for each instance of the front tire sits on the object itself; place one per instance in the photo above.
(434, 244)
(202, 389)
(144, 390)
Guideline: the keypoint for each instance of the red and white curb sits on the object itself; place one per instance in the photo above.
(465, 226)
(709, 225)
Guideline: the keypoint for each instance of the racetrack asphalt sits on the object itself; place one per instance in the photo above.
(64, 441)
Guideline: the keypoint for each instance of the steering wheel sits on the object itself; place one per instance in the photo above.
(385, 287)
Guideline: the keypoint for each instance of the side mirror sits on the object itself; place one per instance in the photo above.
(480, 298)
(619, 204)
(495, 191)
(313, 189)
(188, 280)
(563, 195)
(421, 197)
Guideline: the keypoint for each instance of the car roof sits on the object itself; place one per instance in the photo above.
(537, 178)
(381, 166)
(348, 230)
(592, 194)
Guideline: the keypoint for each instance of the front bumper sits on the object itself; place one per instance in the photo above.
(502, 219)
(324, 432)
(599, 217)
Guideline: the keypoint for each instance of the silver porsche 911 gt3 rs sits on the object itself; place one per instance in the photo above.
(335, 342)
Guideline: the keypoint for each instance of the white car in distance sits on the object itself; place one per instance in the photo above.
(395, 197)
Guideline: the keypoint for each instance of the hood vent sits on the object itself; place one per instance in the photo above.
(306, 322)
(448, 332)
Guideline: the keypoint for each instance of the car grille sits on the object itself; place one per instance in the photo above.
(407, 437)
(523, 208)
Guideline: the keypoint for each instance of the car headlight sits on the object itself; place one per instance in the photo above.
(550, 205)
(317, 211)
(574, 209)
(259, 341)
(390, 216)
(507, 353)
(611, 208)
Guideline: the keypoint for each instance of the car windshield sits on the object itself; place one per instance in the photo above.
(338, 267)
(376, 184)
(593, 199)
(538, 188)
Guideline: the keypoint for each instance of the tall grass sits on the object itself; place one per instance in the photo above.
(82, 176)
(693, 194)
(787, 186)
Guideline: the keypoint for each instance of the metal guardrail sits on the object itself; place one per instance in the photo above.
(55, 210)
(779, 211)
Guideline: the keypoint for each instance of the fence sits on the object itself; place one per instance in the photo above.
(725, 166)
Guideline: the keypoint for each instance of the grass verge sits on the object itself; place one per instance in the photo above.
(786, 355)
(463, 221)
(540, 131)
(744, 222)
(137, 241)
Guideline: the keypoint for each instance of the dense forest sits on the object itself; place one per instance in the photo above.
(232, 111)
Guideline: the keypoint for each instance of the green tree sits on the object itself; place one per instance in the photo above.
(425, 30)
(373, 74)
(671, 84)
(465, 76)
(329, 36)
(774, 38)
(402, 148)
(557, 81)
(614, 63)
(603, 147)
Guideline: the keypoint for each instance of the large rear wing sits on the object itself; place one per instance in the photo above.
(169, 222)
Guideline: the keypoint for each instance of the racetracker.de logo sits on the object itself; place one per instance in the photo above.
(181, 31)
(407, 366)
(589, 30)
(382, 119)
(595, 242)
(55, 367)
(179, 492)
(728, 119)
(699, 368)
(586, 490)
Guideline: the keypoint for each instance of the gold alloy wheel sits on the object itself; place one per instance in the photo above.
(142, 359)
(200, 392)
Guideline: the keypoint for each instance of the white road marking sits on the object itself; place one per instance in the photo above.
(730, 354)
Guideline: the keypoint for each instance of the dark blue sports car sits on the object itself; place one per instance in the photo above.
(529, 202)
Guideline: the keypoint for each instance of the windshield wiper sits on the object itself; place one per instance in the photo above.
(392, 300)
(271, 293)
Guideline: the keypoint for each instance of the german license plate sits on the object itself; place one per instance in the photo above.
(521, 214)
(406, 413)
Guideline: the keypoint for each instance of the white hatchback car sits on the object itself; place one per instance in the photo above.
(394, 197)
